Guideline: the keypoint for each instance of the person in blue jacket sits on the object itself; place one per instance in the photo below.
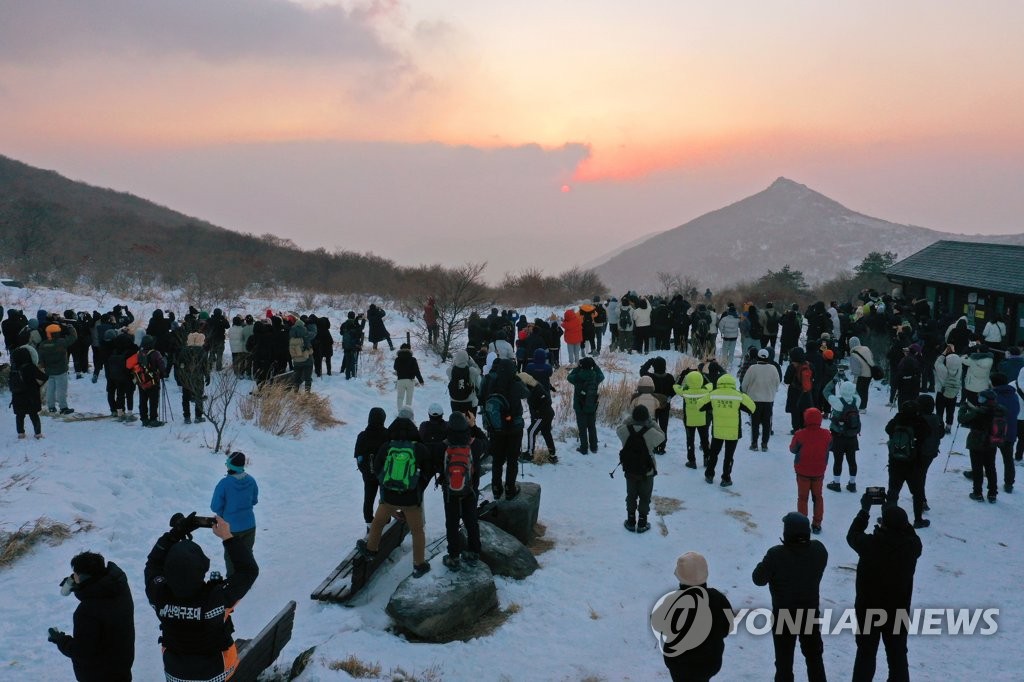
(233, 499)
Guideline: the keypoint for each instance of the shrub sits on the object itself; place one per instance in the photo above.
(20, 542)
(278, 409)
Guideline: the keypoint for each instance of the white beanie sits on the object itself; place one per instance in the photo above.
(692, 569)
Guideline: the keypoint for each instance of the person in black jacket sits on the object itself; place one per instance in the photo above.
(909, 471)
(792, 571)
(102, 648)
(930, 445)
(323, 346)
(506, 440)
(542, 413)
(885, 582)
(461, 506)
(368, 442)
(692, 661)
(407, 370)
(663, 382)
(402, 435)
(195, 621)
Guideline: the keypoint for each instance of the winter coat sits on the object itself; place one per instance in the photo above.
(810, 445)
(192, 369)
(958, 335)
(725, 402)
(729, 325)
(994, 332)
(585, 382)
(978, 418)
(406, 366)
(539, 399)
(761, 382)
(460, 358)
(1011, 366)
(539, 368)
(216, 327)
(502, 379)
(613, 312)
(572, 325)
(424, 463)
(369, 441)
(888, 559)
(861, 358)
(625, 322)
(949, 374)
(797, 400)
(352, 334)
(645, 395)
(300, 343)
(194, 622)
(921, 432)
(693, 391)
(28, 401)
(653, 437)
(102, 644)
(1006, 396)
(53, 353)
(705, 660)
(792, 571)
(1018, 387)
(978, 370)
(233, 499)
(642, 314)
(236, 341)
(378, 332)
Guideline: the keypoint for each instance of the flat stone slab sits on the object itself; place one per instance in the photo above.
(503, 553)
(443, 602)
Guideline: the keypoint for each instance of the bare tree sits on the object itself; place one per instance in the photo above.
(580, 283)
(220, 394)
(457, 292)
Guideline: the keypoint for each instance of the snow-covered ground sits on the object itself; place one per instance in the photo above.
(584, 615)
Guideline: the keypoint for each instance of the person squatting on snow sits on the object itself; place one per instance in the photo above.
(761, 382)
(194, 613)
(640, 437)
(407, 370)
(724, 403)
(460, 469)
(102, 644)
(403, 468)
(233, 499)
(810, 446)
(693, 390)
(793, 571)
(586, 379)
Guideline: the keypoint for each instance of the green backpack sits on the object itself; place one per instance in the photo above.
(400, 473)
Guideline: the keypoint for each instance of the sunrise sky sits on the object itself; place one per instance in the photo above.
(524, 133)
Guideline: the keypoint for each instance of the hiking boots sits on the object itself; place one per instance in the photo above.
(67, 410)
(969, 475)
(764, 448)
(553, 458)
(496, 491)
(977, 497)
(834, 486)
(451, 563)
(1008, 488)
(642, 526)
(511, 493)
(188, 419)
(753, 446)
(851, 487)
(420, 570)
(363, 550)
(200, 419)
(630, 524)
(992, 499)
(22, 436)
(922, 523)
(726, 482)
(709, 479)
(526, 457)
(691, 464)
(582, 451)
(469, 558)
(815, 529)
(593, 448)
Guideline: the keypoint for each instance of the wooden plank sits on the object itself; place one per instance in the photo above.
(354, 572)
(260, 652)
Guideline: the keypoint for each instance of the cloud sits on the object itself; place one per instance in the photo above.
(211, 30)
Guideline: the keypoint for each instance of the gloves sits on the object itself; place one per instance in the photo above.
(56, 636)
(865, 502)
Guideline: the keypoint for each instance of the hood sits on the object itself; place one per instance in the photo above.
(504, 350)
(726, 381)
(645, 385)
(298, 330)
(403, 429)
(158, 314)
(812, 417)
(848, 391)
(185, 568)
(954, 362)
(658, 365)
(460, 358)
(1006, 390)
(854, 342)
(540, 356)
(376, 418)
(405, 351)
(569, 316)
(693, 380)
(797, 355)
(106, 586)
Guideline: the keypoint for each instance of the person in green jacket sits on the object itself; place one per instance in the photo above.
(694, 389)
(585, 379)
(53, 355)
(724, 403)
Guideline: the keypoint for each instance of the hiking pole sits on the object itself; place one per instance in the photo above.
(611, 474)
(951, 443)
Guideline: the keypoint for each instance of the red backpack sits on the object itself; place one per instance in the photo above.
(458, 470)
(805, 375)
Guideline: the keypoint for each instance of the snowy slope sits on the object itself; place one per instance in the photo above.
(583, 615)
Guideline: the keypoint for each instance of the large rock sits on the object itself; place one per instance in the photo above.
(504, 553)
(442, 602)
(518, 516)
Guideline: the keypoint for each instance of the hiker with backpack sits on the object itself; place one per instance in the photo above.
(24, 382)
(761, 382)
(693, 388)
(724, 403)
(368, 443)
(148, 370)
(403, 468)
(542, 414)
(663, 383)
(586, 378)
(987, 421)
(907, 434)
(120, 389)
(463, 382)
(863, 369)
(1007, 398)
(810, 446)
(300, 350)
(501, 395)
(465, 446)
(624, 342)
(192, 374)
(351, 331)
(930, 446)
(640, 437)
(799, 378)
(845, 427)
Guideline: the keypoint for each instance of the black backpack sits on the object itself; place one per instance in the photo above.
(600, 315)
(625, 319)
(460, 387)
(16, 382)
(634, 455)
(902, 444)
(756, 330)
(847, 422)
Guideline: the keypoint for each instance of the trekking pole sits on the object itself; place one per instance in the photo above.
(951, 443)
(611, 474)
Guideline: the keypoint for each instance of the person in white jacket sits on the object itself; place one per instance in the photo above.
(861, 362)
(977, 373)
(761, 382)
(994, 332)
(642, 325)
(949, 373)
(729, 328)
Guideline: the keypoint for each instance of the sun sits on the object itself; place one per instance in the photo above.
(566, 189)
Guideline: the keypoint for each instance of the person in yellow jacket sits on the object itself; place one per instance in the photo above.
(694, 388)
(724, 403)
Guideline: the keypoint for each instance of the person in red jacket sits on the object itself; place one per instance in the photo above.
(810, 446)
(573, 326)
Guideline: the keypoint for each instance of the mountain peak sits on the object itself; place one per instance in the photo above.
(783, 183)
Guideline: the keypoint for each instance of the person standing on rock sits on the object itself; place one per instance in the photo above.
(460, 480)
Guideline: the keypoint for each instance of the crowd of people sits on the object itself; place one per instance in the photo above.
(825, 356)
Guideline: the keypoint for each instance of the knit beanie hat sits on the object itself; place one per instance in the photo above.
(203, 315)
(692, 569)
(795, 527)
(457, 422)
(895, 518)
(147, 342)
(52, 330)
(641, 414)
(235, 462)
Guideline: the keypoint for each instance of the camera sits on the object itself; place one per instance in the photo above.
(876, 494)
(191, 522)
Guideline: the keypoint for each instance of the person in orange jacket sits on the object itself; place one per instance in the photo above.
(572, 326)
(810, 446)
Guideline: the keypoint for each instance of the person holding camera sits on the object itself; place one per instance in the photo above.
(885, 582)
(102, 646)
(194, 613)
(53, 355)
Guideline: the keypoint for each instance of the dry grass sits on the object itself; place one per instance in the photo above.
(614, 397)
(594, 615)
(485, 625)
(743, 517)
(277, 409)
(541, 543)
(43, 530)
(357, 668)
(666, 505)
